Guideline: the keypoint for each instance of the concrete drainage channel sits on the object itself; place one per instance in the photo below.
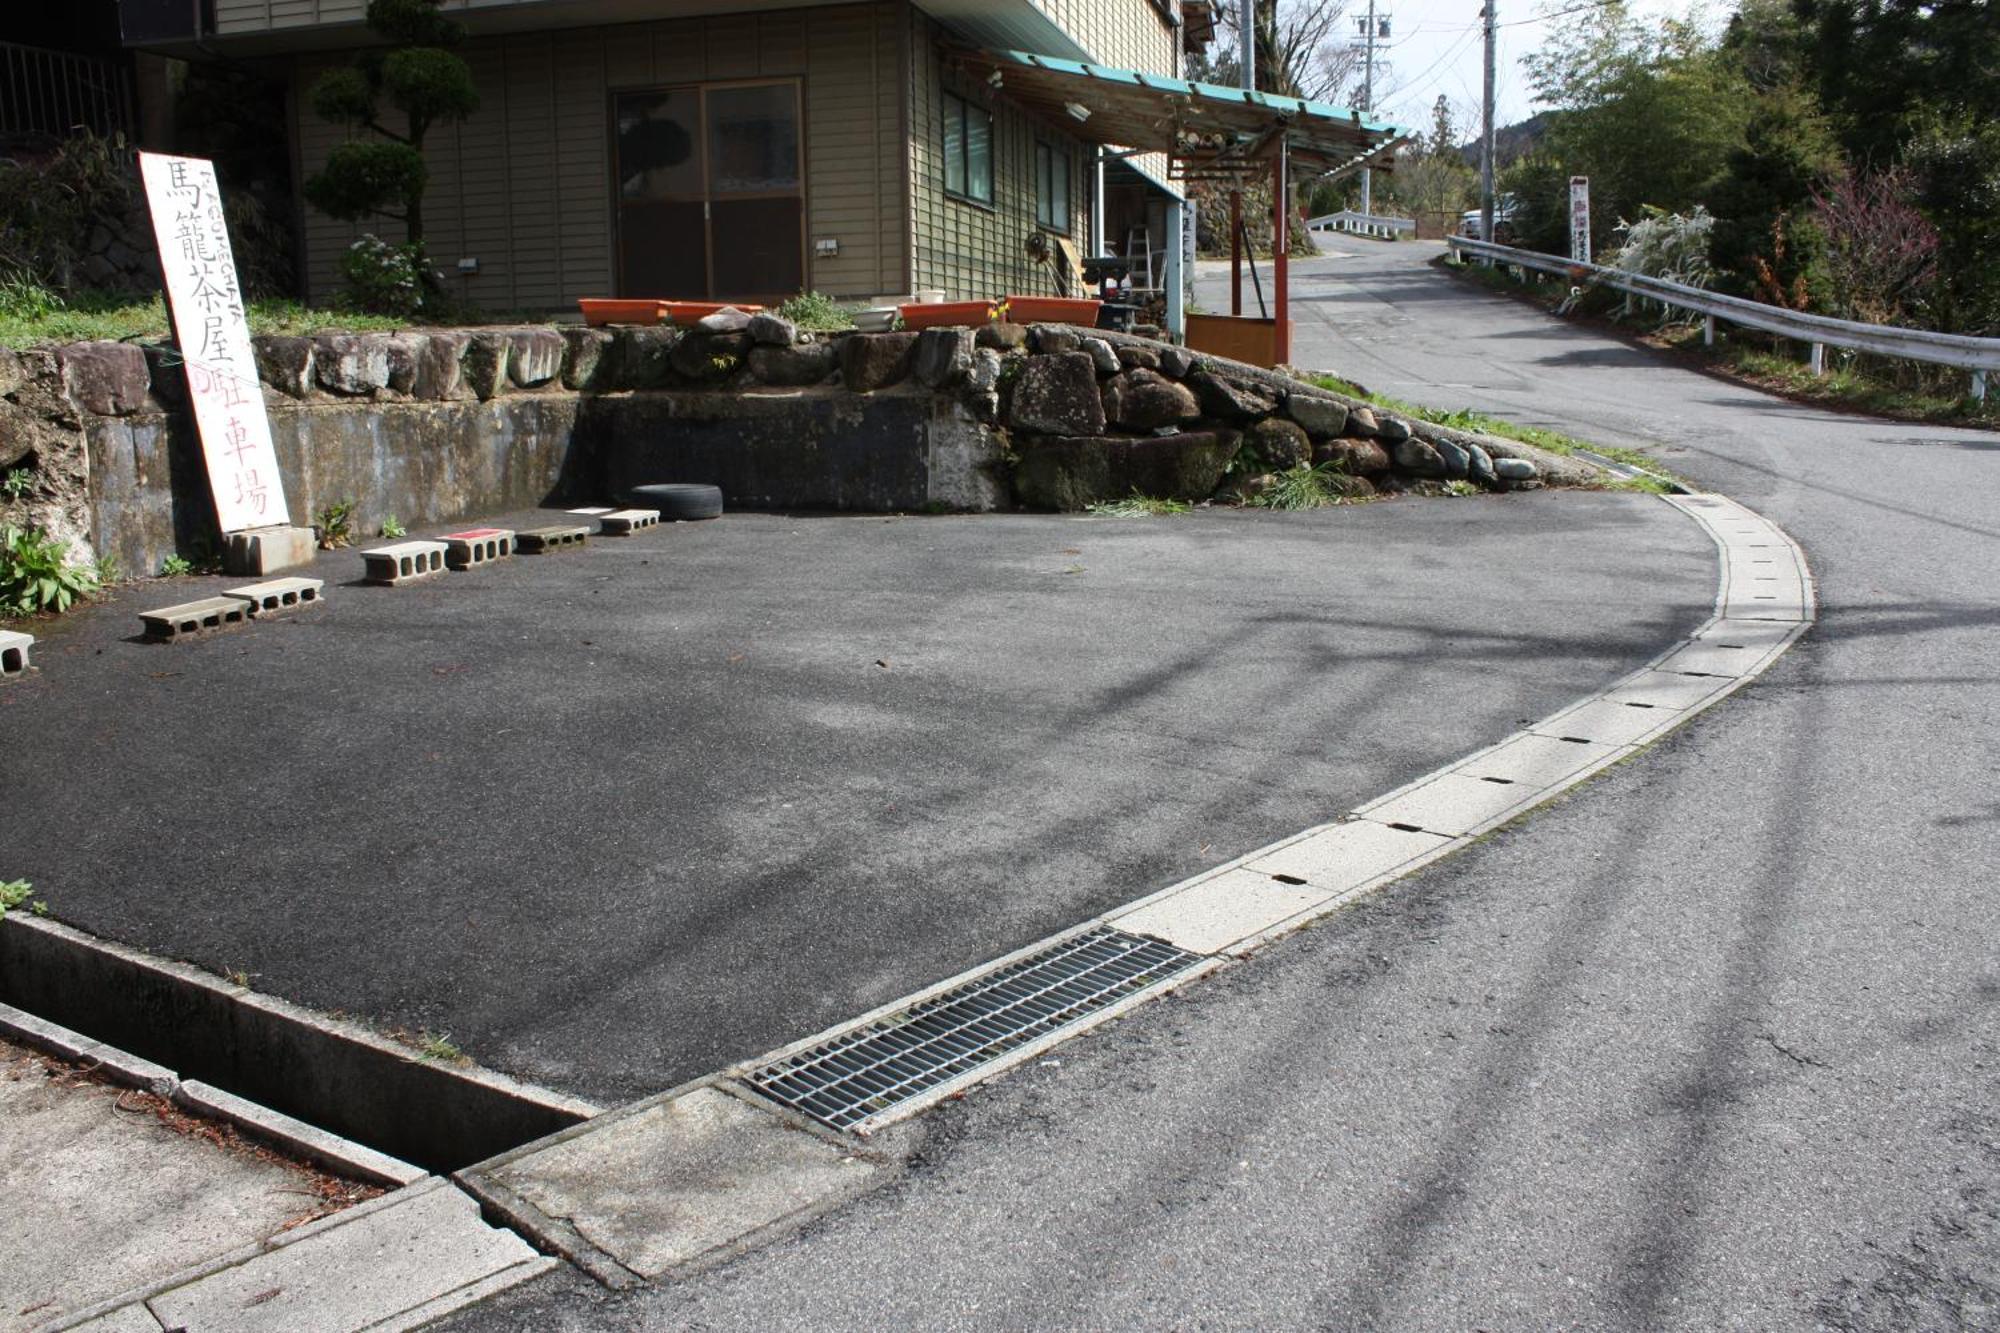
(677, 1181)
(323, 1090)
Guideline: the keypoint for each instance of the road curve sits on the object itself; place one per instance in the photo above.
(1712, 1043)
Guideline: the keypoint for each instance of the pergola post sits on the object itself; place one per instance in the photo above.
(1281, 229)
(1236, 252)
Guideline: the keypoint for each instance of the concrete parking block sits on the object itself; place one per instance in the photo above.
(192, 618)
(279, 595)
(673, 1180)
(538, 541)
(1342, 857)
(625, 522)
(14, 652)
(270, 550)
(1214, 914)
(477, 546)
(404, 562)
(385, 1264)
(1453, 804)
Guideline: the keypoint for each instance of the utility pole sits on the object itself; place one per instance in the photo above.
(1246, 32)
(1368, 34)
(1486, 132)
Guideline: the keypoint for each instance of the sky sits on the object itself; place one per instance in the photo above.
(1434, 47)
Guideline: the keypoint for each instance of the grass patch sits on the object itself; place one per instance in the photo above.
(1307, 487)
(48, 318)
(1136, 505)
(1554, 442)
(817, 312)
(439, 1046)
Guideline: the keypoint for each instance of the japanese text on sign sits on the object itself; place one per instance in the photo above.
(1579, 218)
(214, 341)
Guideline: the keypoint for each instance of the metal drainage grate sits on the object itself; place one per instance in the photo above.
(873, 1069)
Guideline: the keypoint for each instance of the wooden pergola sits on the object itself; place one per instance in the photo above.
(1229, 136)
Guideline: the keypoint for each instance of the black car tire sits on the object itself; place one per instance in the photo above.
(679, 500)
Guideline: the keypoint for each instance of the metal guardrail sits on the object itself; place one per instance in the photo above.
(1978, 355)
(1351, 221)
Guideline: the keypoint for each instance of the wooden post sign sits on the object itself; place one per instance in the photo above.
(1579, 218)
(214, 338)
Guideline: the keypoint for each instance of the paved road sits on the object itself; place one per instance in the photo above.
(616, 818)
(1713, 1043)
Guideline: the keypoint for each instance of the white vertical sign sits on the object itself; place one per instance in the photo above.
(1579, 218)
(214, 338)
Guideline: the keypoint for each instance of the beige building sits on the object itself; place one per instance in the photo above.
(731, 149)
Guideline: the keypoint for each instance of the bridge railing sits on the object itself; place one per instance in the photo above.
(1365, 224)
(1978, 355)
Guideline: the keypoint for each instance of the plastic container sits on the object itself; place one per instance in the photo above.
(945, 314)
(623, 311)
(1052, 310)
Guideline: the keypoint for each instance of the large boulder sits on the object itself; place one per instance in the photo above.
(769, 330)
(1419, 459)
(584, 357)
(1102, 356)
(1057, 395)
(1055, 339)
(1515, 469)
(1322, 418)
(708, 358)
(1480, 468)
(1226, 401)
(1003, 337)
(645, 356)
(534, 356)
(1150, 400)
(285, 363)
(793, 366)
(1360, 458)
(485, 363)
(726, 320)
(406, 350)
(870, 361)
(109, 379)
(1280, 443)
(441, 367)
(1176, 362)
(943, 356)
(1457, 458)
(1139, 358)
(1071, 472)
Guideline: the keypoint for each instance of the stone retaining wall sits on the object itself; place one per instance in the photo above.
(437, 425)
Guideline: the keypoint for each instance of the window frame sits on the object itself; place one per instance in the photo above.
(958, 114)
(1045, 217)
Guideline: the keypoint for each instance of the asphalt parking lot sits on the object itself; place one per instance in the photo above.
(616, 817)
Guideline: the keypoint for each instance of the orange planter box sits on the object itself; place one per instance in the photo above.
(624, 311)
(687, 312)
(1052, 310)
(945, 314)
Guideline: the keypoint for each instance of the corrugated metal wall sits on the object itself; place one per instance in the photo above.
(525, 184)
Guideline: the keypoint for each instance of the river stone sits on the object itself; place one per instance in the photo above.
(1391, 430)
(1479, 466)
(1361, 423)
(1138, 358)
(769, 330)
(405, 351)
(584, 357)
(535, 356)
(441, 368)
(485, 363)
(726, 320)
(1457, 462)
(1101, 354)
(1321, 417)
(106, 378)
(870, 361)
(1176, 362)
(1003, 336)
(943, 356)
(1071, 472)
(795, 366)
(1057, 395)
(285, 363)
(351, 364)
(1514, 469)
(1230, 402)
(1360, 458)
(1418, 458)
(1280, 443)
(1055, 339)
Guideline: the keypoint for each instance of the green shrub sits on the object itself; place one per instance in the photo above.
(812, 310)
(35, 574)
(385, 279)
